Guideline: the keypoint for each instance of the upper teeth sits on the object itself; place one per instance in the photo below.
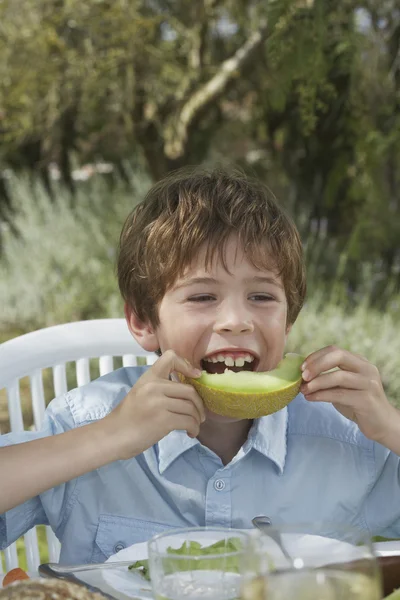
(229, 360)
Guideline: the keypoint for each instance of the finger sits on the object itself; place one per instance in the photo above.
(187, 393)
(334, 379)
(169, 362)
(185, 423)
(327, 349)
(342, 396)
(330, 358)
(184, 407)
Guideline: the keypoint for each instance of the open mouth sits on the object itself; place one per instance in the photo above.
(234, 361)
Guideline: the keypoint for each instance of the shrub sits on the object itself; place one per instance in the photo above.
(60, 267)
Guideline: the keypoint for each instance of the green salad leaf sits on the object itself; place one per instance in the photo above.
(142, 566)
(195, 549)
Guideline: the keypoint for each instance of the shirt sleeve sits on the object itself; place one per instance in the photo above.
(51, 507)
(382, 507)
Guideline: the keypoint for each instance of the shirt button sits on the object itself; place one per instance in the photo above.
(219, 485)
(119, 546)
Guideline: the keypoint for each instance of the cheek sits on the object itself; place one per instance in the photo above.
(274, 327)
(279, 324)
(182, 335)
(191, 327)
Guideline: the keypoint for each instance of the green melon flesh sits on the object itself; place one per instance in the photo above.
(285, 374)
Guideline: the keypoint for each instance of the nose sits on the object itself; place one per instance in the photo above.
(233, 318)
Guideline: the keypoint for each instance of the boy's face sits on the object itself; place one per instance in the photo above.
(213, 317)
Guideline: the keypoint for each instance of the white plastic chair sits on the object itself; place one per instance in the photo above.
(53, 347)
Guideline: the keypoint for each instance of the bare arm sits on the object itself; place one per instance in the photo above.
(30, 468)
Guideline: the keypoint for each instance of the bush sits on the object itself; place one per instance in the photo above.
(60, 267)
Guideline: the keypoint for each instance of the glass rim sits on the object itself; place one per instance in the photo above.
(182, 530)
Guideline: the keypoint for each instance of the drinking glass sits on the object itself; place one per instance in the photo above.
(327, 562)
(181, 569)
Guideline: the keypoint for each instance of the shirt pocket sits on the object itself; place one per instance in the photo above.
(114, 533)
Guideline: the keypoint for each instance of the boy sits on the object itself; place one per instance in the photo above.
(209, 268)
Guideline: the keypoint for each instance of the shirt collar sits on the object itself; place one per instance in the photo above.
(172, 446)
(267, 435)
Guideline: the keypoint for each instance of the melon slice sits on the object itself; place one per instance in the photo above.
(248, 394)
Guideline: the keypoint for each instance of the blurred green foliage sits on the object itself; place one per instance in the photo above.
(60, 266)
(304, 93)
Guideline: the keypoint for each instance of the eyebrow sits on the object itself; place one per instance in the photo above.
(270, 280)
(211, 280)
(194, 281)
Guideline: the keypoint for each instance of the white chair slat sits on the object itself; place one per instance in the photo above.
(11, 556)
(129, 360)
(60, 380)
(151, 359)
(106, 364)
(53, 545)
(32, 550)
(38, 402)
(14, 407)
(82, 371)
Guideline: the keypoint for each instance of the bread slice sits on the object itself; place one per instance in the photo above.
(47, 589)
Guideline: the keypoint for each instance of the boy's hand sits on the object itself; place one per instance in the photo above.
(355, 389)
(155, 406)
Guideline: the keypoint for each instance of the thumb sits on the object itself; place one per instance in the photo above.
(169, 362)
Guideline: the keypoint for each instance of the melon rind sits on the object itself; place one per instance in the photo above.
(243, 405)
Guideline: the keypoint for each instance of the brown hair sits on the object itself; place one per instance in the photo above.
(194, 207)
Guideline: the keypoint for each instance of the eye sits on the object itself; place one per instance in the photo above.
(261, 297)
(201, 298)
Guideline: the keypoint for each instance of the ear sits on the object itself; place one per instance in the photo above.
(144, 333)
(288, 329)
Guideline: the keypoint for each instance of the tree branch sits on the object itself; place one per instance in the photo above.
(177, 130)
(203, 16)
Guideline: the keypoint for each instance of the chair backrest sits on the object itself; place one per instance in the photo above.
(53, 348)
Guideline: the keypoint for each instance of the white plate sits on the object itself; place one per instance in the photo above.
(319, 550)
(125, 581)
(133, 585)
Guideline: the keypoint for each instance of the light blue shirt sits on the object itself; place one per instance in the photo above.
(305, 463)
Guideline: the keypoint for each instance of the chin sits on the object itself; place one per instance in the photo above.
(212, 416)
